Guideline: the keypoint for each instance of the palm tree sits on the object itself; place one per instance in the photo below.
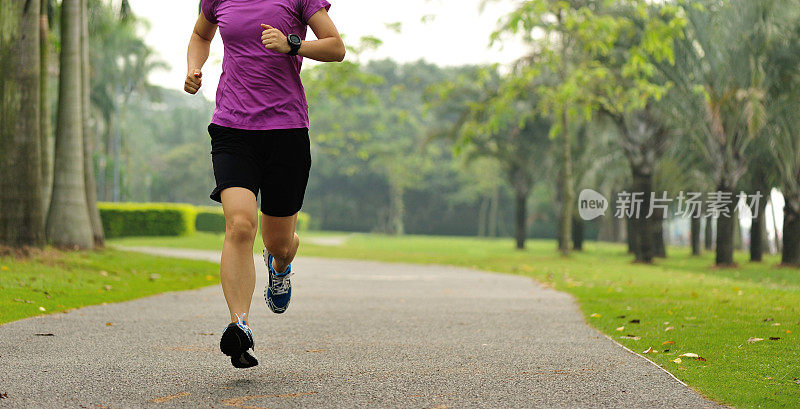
(88, 134)
(68, 223)
(20, 185)
(45, 125)
(723, 91)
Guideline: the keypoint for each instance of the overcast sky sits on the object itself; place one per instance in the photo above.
(456, 33)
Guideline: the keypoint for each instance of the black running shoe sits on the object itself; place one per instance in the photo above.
(236, 342)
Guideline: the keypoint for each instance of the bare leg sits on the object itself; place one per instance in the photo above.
(237, 271)
(280, 239)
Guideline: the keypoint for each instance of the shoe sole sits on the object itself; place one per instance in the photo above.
(230, 344)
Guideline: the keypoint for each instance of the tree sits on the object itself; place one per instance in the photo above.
(723, 91)
(68, 223)
(20, 138)
(496, 120)
(88, 132)
(45, 123)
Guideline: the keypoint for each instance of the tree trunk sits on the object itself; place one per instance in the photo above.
(46, 143)
(578, 228)
(397, 209)
(725, 232)
(758, 233)
(68, 223)
(565, 224)
(20, 136)
(778, 242)
(494, 211)
(631, 238)
(696, 228)
(88, 134)
(641, 227)
(791, 233)
(483, 214)
(520, 217)
(709, 234)
(657, 227)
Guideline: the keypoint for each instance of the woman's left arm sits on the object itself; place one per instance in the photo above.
(328, 47)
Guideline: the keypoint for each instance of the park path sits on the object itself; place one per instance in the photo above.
(358, 334)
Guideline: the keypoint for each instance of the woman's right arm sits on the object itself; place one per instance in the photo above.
(199, 47)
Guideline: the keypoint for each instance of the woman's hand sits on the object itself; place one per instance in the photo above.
(273, 39)
(194, 80)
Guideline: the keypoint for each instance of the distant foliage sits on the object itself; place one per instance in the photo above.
(147, 219)
(210, 219)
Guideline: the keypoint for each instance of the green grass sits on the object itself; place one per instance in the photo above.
(683, 304)
(53, 281)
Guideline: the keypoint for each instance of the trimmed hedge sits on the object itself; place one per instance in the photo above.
(167, 219)
(147, 219)
(210, 219)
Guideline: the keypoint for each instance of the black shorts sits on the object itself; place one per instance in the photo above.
(275, 162)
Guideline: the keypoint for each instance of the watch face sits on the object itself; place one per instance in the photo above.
(294, 39)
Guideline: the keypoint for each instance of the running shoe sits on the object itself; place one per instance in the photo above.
(237, 341)
(278, 292)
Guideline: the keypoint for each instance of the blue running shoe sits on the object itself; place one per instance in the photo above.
(236, 342)
(279, 290)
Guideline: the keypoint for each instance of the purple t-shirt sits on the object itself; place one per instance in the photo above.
(260, 89)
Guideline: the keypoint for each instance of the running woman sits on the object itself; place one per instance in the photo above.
(259, 140)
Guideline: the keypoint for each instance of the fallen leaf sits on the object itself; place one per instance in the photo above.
(677, 360)
(3, 395)
(788, 331)
(620, 316)
(633, 337)
(42, 309)
(620, 328)
(753, 340)
(690, 355)
(649, 351)
(666, 322)
(776, 324)
(108, 324)
(774, 338)
(769, 319)
(209, 278)
(596, 315)
(107, 287)
(634, 321)
(315, 350)
(667, 342)
(700, 358)
(45, 335)
(669, 329)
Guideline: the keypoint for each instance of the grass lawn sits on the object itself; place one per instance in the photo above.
(679, 305)
(52, 281)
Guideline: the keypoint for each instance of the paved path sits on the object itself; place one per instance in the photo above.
(358, 334)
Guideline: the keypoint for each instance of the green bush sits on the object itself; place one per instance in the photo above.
(210, 219)
(147, 219)
(303, 221)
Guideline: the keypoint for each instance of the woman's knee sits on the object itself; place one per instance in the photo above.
(240, 227)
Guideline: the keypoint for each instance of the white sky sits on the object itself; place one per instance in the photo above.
(458, 34)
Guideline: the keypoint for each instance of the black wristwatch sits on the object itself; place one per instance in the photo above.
(294, 43)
